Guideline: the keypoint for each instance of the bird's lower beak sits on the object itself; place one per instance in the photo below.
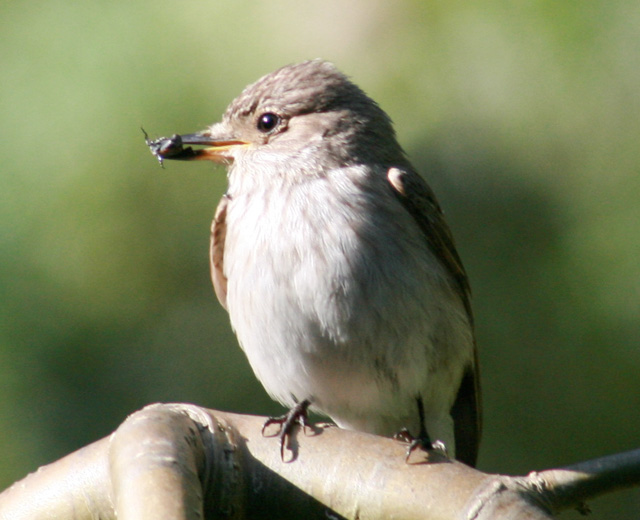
(216, 149)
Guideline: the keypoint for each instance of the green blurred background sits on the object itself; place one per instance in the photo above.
(524, 117)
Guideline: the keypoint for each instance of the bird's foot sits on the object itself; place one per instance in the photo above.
(296, 416)
(422, 441)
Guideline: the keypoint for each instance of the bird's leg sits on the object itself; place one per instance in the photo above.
(422, 440)
(287, 422)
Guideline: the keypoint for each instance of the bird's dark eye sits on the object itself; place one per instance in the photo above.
(267, 122)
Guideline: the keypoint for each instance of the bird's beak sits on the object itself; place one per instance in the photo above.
(218, 148)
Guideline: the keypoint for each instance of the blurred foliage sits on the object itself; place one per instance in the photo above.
(525, 118)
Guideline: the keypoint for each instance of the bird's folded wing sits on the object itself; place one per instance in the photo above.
(218, 235)
(418, 199)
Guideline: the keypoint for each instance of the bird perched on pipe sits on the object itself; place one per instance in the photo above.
(332, 256)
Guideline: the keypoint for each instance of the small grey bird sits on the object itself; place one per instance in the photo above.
(334, 261)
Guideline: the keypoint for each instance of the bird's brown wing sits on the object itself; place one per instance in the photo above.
(418, 199)
(218, 235)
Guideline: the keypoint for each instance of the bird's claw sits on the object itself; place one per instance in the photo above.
(421, 441)
(296, 416)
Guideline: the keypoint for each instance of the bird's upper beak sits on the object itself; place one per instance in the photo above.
(218, 146)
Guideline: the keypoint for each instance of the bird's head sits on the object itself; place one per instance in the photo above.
(304, 117)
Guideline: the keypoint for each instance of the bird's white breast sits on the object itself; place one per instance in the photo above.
(335, 296)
